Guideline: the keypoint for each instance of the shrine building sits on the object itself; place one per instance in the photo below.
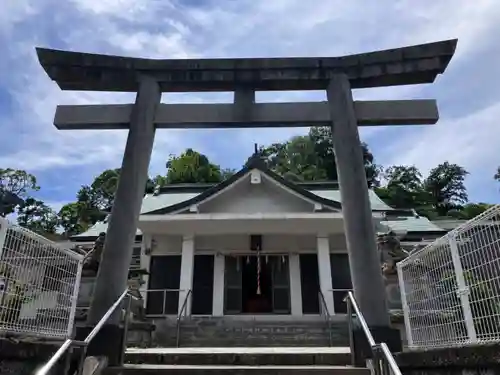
(255, 244)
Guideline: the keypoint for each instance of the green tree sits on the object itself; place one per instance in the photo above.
(71, 218)
(192, 167)
(469, 211)
(227, 173)
(295, 159)
(445, 186)
(15, 186)
(323, 141)
(96, 200)
(103, 188)
(89, 209)
(403, 187)
(35, 215)
(156, 182)
(312, 158)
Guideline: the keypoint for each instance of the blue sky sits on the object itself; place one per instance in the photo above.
(468, 93)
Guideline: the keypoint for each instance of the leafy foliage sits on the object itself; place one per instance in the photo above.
(446, 187)
(37, 216)
(441, 192)
(312, 158)
(302, 158)
(15, 186)
(192, 167)
(404, 187)
(72, 219)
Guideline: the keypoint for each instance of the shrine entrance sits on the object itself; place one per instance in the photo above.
(253, 288)
(337, 76)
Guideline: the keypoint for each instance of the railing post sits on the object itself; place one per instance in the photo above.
(125, 329)
(404, 303)
(164, 302)
(463, 290)
(67, 360)
(4, 225)
(81, 360)
(75, 294)
(350, 328)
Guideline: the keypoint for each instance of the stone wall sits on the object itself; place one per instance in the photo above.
(232, 331)
(24, 358)
(472, 360)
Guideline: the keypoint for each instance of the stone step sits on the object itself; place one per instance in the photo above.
(228, 332)
(254, 342)
(244, 356)
(234, 370)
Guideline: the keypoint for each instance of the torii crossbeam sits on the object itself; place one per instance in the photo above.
(260, 115)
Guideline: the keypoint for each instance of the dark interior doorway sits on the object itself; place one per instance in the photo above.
(203, 285)
(240, 295)
(254, 302)
(164, 279)
(309, 278)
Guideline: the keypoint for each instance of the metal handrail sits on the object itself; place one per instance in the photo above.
(53, 360)
(376, 349)
(44, 370)
(327, 316)
(179, 317)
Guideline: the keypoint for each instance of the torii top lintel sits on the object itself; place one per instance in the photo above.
(399, 66)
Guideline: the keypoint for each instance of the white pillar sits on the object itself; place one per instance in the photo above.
(325, 271)
(187, 268)
(218, 296)
(295, 285)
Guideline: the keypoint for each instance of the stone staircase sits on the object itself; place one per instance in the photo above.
(243, 346)
(238, 361)
(236, 332)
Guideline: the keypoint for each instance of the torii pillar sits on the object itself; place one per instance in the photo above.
(338, 75)
(114, 268)
(364, 263)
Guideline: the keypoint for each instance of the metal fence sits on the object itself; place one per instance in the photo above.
(450, 290)
(39, 283)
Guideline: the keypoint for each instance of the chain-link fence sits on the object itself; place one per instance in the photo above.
(39, 283)
(450, 289)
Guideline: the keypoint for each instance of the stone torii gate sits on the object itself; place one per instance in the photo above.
(337, 75)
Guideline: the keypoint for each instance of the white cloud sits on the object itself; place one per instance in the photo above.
(13, 12)
(125, 9)
(172, 29)
(471, 141)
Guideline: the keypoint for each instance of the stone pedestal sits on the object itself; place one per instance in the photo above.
(392, 292)
(362, 350)
(108, 340)
(87, 286)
